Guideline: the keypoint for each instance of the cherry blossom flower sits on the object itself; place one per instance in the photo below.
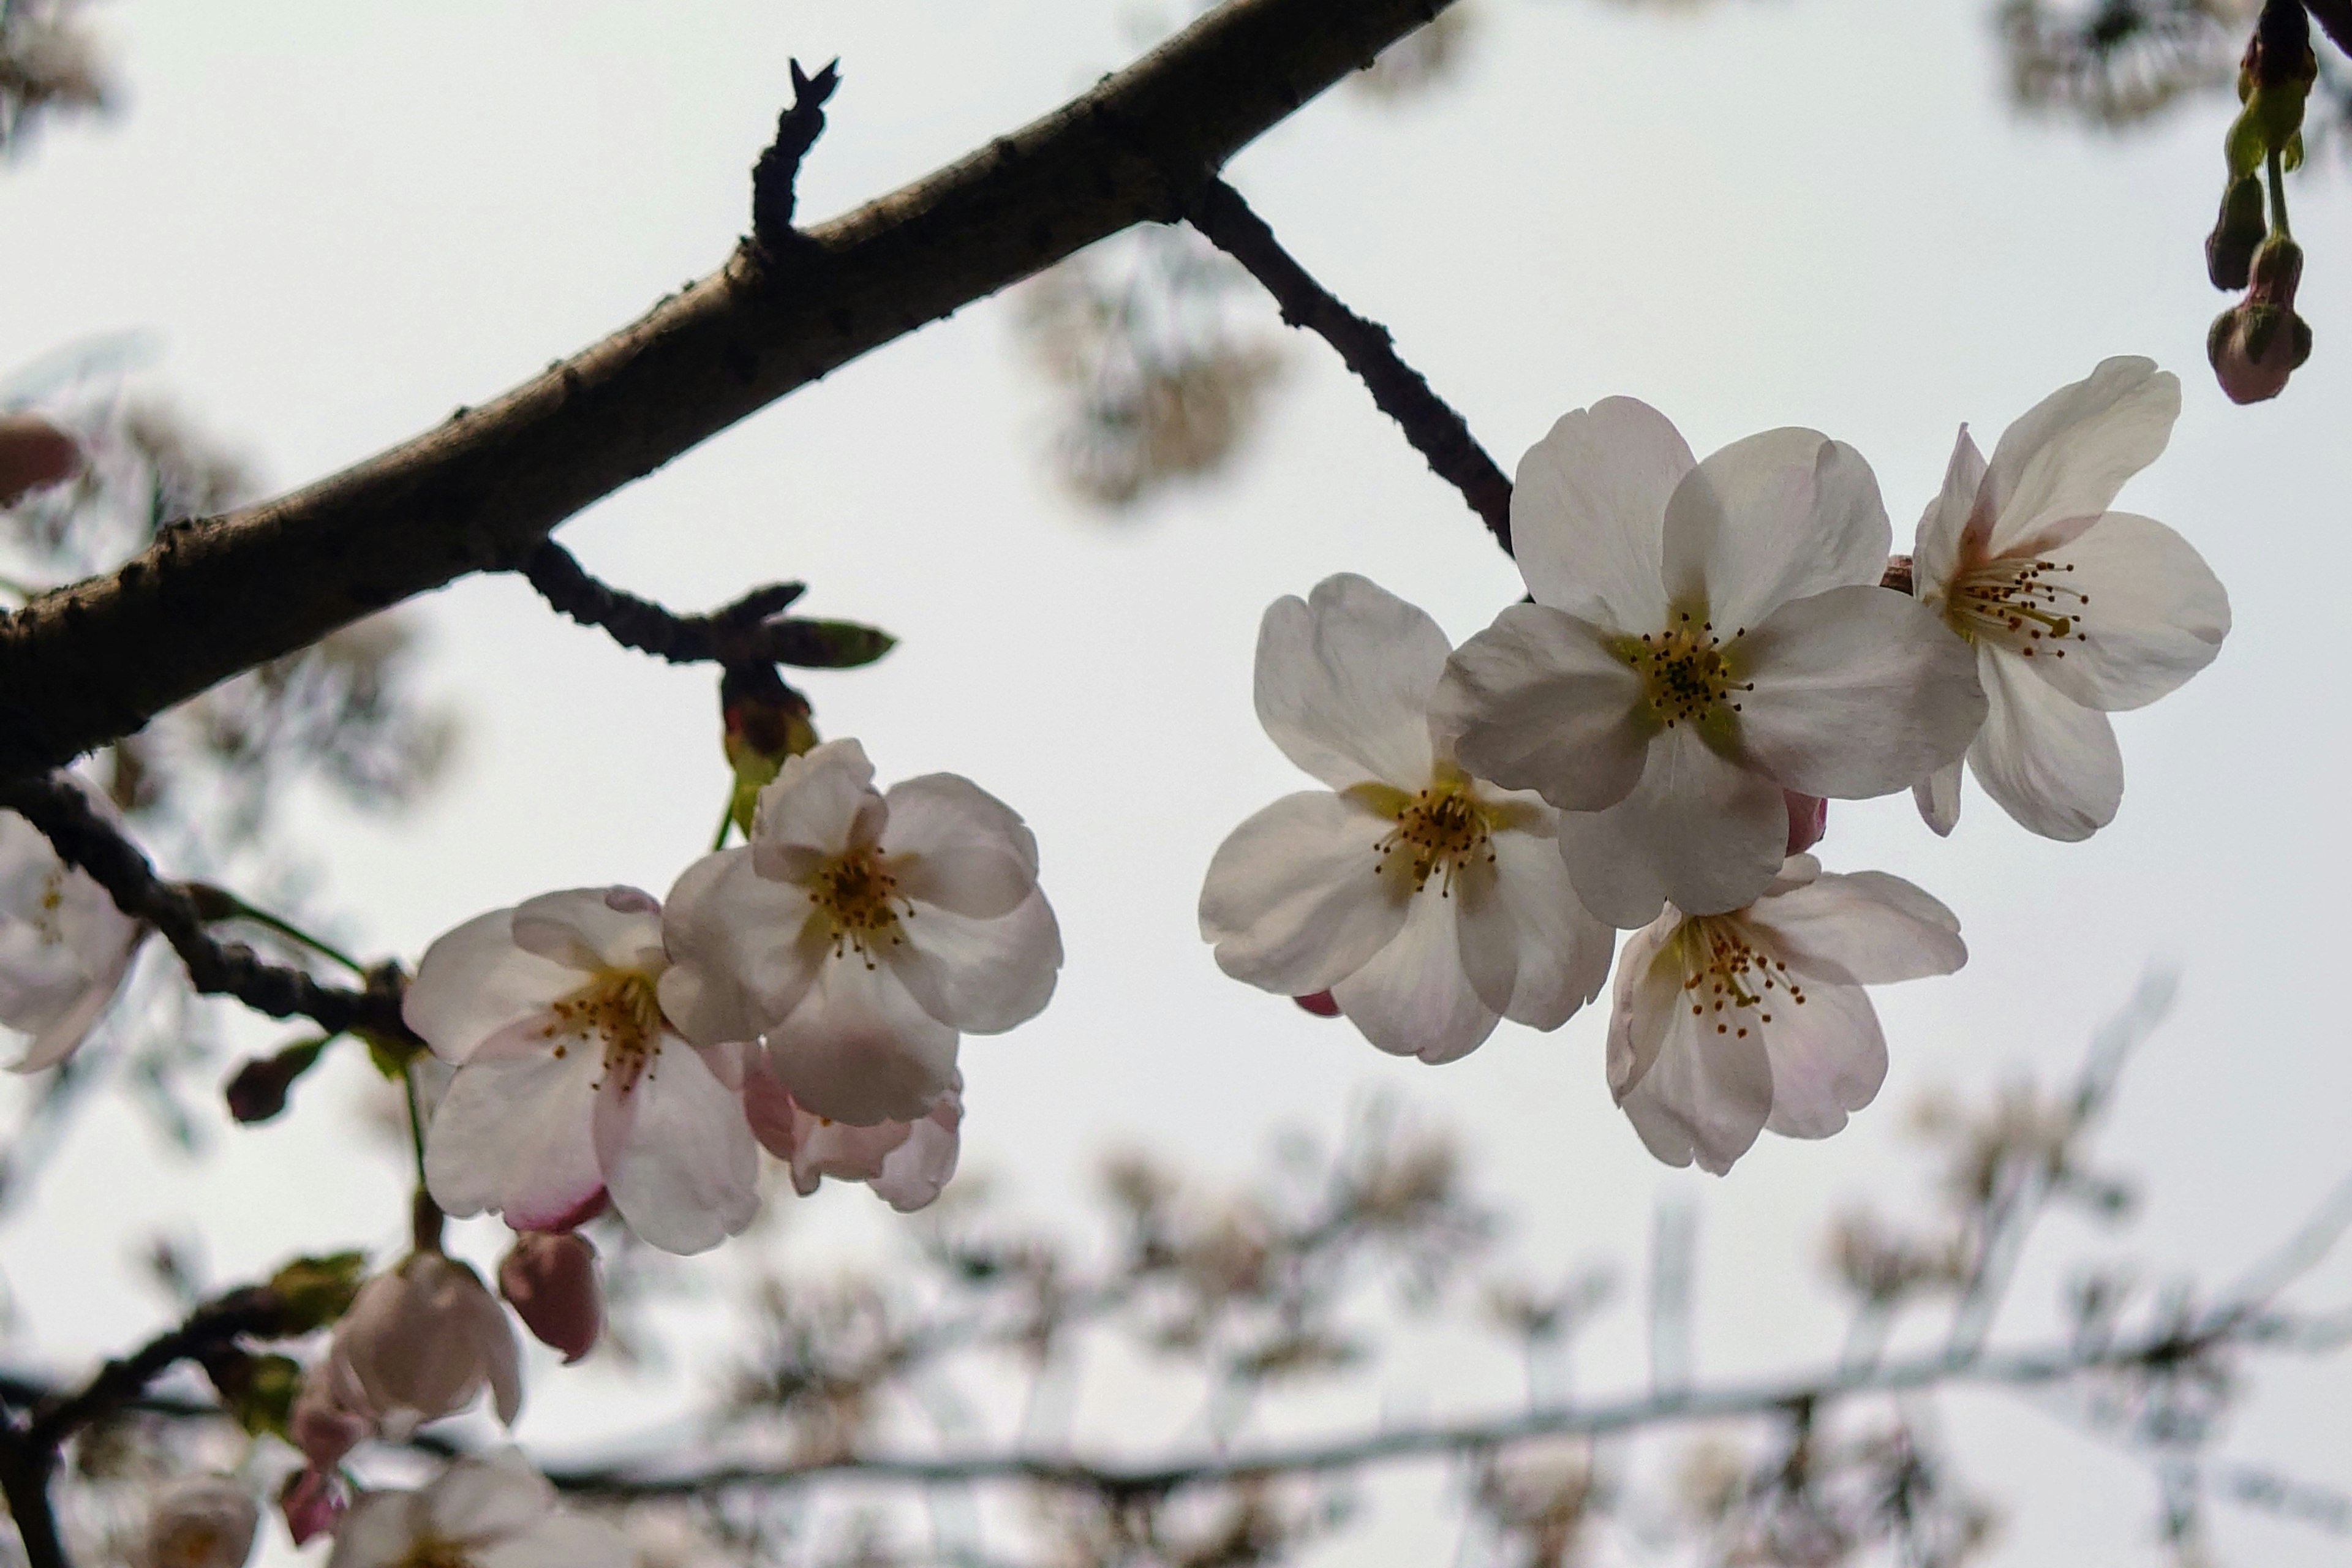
(1729, 1024)
(1703, 637)
(861, 932)
(64, 946)
(550, 1279)
(421, 1343)
(2073, 612)
(201, 1521)
(493, 1512)
(570, 1081)
(908, 1163)
(1427, 903)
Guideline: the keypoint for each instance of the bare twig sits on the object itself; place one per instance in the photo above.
(84, 838)
(1436, 430)
(775, 178)
(723, 635)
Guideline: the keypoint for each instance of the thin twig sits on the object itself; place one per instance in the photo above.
(729, 635)
(84, 838)
(775, 178)
(1436, 430)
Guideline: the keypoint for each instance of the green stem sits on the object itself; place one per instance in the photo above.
(295, 933)
(415, 1121)
(726, 822)
(2278, 194)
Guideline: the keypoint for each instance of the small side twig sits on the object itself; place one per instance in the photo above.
(84, 838)
(775, 178)
(641, 624)
(1436, 430)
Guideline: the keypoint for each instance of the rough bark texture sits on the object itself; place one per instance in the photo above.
(88, 663)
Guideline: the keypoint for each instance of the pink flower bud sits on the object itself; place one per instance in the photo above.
(420, 1342)
(312, 1501)
(550, 1279)
(1320, 1004)
(321, 1426)
(1808, 818)
(201, 1521)
(34, 454)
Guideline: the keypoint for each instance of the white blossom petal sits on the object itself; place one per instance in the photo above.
(1780, 516)
(1857, 692)
(2063, 462)
(2156, 614)
(478, 1501)
(677, 1152)
(2051, 762)
(1936, 553)
(954, 845)
(1649, 993)
(1563, 950)
(380, 1529)
(981, 976)
(592, 929)
(562, 1540)
(818, 804)
(860, 1049)
(1343, 683)
(1413, 999)
(475, 982)
(744, 950)
(514, 1136)
(1863, 928)
(1539, 701)
(1938, 799)
(1698, 830)
(1705, 1097)
(1294, 901)
(1587, 508)
(918, 1170)
(1828, 1057)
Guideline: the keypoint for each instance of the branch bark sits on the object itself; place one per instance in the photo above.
(95, 661)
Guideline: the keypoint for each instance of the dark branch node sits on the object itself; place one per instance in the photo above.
(750, 631)
(775, 178)
(84, 838)
(1436, 430)
(2334, 16)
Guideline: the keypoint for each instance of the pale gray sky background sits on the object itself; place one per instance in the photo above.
(344, 220)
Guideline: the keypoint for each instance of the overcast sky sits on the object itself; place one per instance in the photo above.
(343, 220)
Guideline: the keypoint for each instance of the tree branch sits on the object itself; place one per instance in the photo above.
(640, 624)
(95, 661)
(2023, 1369)
(1436, 430)
(2335, 17)
(84, 838)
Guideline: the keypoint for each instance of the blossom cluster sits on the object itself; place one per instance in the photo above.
(806, 993)
(1710, 652)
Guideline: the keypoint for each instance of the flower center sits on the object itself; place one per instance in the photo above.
(619, 1009)
(1686, 673)
(1437, 833)
(1726, 976)
(2026, 605)
(859, 899)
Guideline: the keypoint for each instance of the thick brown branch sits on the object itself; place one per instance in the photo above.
(1436, 430)
(84, 838)
(97, 661)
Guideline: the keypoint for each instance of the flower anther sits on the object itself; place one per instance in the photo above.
(1723, 970)
(1688, 676)
(859, 900)
(620, 1008)
(2024, 606)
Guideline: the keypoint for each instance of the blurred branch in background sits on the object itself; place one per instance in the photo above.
(1222, 1317)
(49, 65)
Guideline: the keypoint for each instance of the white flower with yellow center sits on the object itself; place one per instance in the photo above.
(1429, 903)
(64, 946)
(1703, 637)
(1726, 1026)
(571, 1083)
(493, 1512)
(2075, 612)
(860, 933)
